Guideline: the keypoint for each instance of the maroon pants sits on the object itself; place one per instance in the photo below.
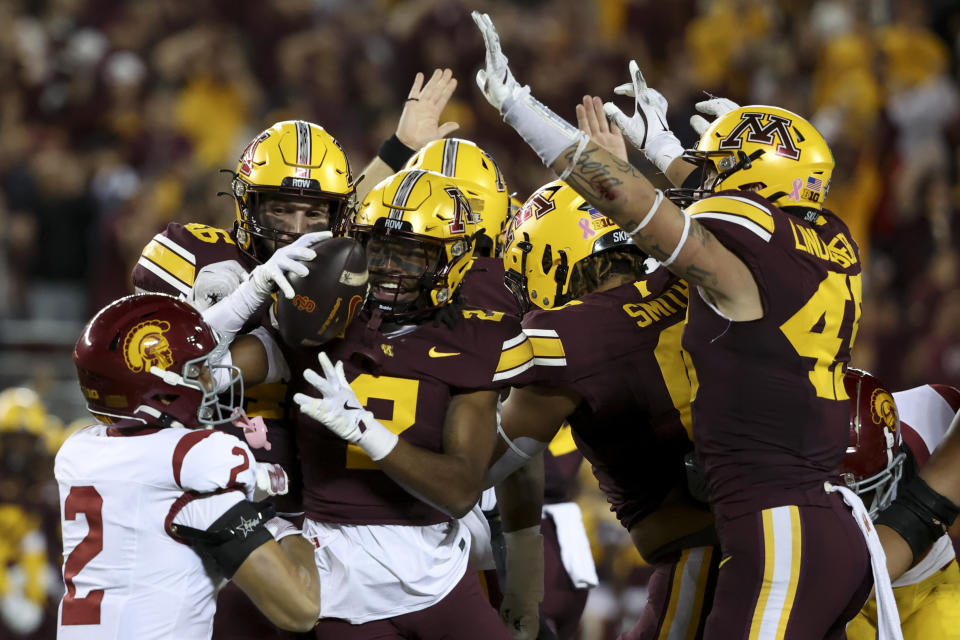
(679, 596)
(562, 603)
(464, 614)
(793, 573)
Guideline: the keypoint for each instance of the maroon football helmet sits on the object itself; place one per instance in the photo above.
(145, 357)
(874, 461)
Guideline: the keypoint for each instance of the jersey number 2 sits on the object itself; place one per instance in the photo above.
(816, 331)
(84, 610)
(401, 393)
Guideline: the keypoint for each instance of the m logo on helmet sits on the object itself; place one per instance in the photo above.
(882, 408)
(145, 346)
(759, 133)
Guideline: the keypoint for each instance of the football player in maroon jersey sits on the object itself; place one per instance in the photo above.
(291, 179)
(396, 443)
(774, 308)
(635, 435)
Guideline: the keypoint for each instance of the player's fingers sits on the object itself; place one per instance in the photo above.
(314, 379)
(591, 116)
(447, 128)
(699, 124)
(417, 85)
(639, 82)
(596, 107)
(582, 123)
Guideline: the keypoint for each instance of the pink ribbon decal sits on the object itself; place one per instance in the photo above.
(585, 227)
(795, 194)
(254, 429)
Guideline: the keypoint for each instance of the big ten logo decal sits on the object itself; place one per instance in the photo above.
(146, 346)
(757, 132)
(392, 401)
(304, 303)
(209, 234)
(462, 213)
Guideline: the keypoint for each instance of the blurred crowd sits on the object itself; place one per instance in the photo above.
(116, 118)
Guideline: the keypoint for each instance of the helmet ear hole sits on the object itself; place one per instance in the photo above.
(547, 258)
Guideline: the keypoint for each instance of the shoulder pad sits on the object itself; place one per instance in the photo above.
(740, 210)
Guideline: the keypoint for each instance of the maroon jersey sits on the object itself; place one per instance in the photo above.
(771, 416)
(418, 369)
(483, 287)
(619, 350)
(169, 264)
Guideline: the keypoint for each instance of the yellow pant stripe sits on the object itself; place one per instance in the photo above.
(796, 546)
(781, 571)
(702, 579)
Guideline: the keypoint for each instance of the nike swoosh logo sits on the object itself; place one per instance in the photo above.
(433, 353)
(724, 561)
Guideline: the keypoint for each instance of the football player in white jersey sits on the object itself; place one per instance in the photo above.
(157, 509)
(891, 437)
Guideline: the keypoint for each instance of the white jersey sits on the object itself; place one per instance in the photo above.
(925, 415)
(125, 576)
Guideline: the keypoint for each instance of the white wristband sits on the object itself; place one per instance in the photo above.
(547, 133)
(683, 240)
(376, 440)
(657, 199)
(663, 149)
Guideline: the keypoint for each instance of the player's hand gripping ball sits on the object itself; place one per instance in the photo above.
(328, 298)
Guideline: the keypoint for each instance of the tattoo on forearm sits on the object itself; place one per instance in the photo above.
(599, 181)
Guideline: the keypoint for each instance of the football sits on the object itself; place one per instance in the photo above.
(328, 298)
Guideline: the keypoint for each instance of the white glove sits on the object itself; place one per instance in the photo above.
(647, 130)
(229, 315)
(715, 107)
(215, 282)
(271, 481)
(272, 274)
(496, 81)
(523, 591)
(547, 133)
(341, 412)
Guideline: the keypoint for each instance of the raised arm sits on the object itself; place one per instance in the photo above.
(620, 191)
(419, 124)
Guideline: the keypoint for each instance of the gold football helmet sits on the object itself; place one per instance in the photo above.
(415, 227)
(769, 150)
(486, 191)
(296, 159)
(554, 230)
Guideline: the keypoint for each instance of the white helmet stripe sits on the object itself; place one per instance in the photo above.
(450, 149)
(304, 150)
(403, 192)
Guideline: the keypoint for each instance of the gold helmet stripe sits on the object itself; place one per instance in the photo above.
(403, 193)
(450, 150)
(304, 149)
